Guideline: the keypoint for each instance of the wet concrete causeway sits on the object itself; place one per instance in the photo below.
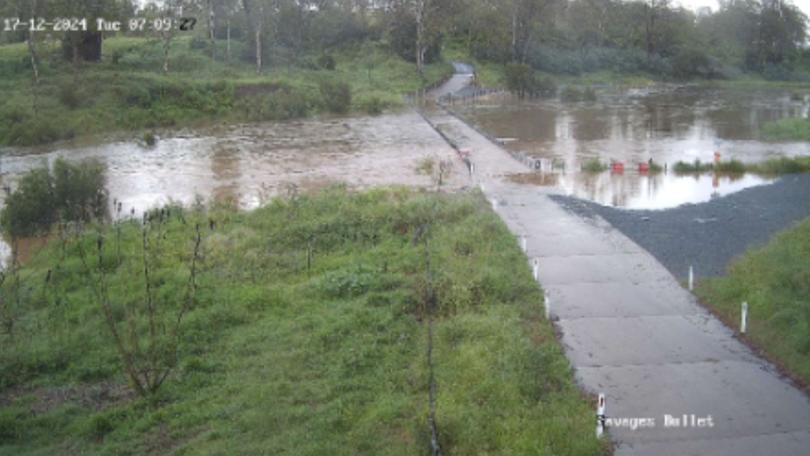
(633, 333)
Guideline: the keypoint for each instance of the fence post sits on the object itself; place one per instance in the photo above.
(744, 318)
(600, 415)
(691, 278)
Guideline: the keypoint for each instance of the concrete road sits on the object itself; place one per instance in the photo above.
(633, 333)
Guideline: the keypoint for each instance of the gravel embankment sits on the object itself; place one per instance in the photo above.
(708, 235)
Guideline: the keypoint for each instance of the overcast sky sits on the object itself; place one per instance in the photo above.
(692, 4)
(695, 4)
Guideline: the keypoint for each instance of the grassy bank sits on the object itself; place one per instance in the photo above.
(128, 91)
(308, 336)
(775, 281)
(770, 167)
(790, 129)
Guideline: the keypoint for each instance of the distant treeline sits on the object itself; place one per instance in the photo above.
(557, 36)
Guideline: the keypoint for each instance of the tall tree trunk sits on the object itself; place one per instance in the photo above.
(228, 41)
(515, 30)
(211, 28)
(420, 36)
(258, 50)
(167, 41)
(32, 49)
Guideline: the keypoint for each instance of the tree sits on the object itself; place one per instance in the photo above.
(525, 15)
(148, 335)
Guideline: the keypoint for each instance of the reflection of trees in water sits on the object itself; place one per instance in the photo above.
(591, 124)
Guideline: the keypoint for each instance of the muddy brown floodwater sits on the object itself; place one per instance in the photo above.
(663, 123)
(248, 164)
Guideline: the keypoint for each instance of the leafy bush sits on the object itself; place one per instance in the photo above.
(519, 79)
(336, 96)
(372, 104)
(327, 62)
(592, 59)
(283, 103)
(70, 192)
(594, 165)
(149, 139)
(71, 95)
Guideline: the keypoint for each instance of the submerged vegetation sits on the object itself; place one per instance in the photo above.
(775, 282)
(594, 165)
(774, 166)
(306, 332)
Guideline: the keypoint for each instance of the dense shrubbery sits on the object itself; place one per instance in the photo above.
(283, 103)
(572, 93)
(521, 80)
(68, 192)
(576, 62)
(327, 62)
(336, 96)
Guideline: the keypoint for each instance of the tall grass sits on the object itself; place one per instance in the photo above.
(308, 336)
(775, 281)
(770, 167)
(790, 129)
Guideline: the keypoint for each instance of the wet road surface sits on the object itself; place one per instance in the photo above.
(633, 333)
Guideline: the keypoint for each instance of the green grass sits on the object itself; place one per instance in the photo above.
(770, 167)
(789, 129)
(775, 281)
(594, 165)
(280, 358)
(128, 91)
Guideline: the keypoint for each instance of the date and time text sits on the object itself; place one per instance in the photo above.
(80, 24)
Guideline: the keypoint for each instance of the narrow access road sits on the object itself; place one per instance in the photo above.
(633, 333)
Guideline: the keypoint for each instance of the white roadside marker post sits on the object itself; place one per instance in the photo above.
(600, 416)
(536, 269)
(494, 204)
(523, 243)
(744, 318)
(481, 186)
(547, 304)
(691, 278)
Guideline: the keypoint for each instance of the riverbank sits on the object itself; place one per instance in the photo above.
(127, 90)
(314, 342)
(775, 282)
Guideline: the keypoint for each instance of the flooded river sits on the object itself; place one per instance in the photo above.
(665, 124)
(248, 164)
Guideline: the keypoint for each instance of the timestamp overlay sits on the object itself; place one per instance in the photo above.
(96, 24)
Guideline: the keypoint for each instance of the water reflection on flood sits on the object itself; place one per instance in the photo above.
(248, 164)
(665, 124)
(642, 190)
